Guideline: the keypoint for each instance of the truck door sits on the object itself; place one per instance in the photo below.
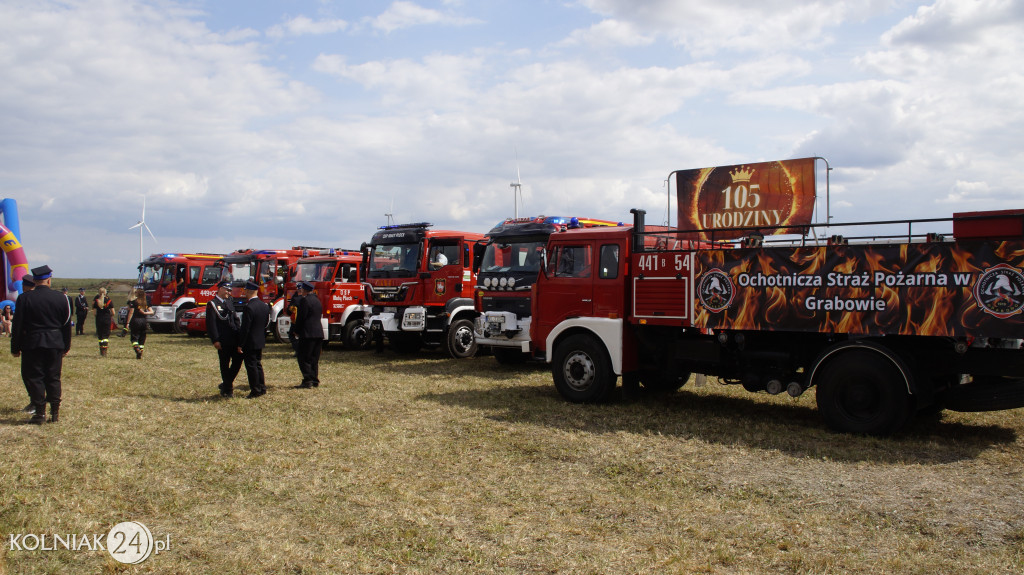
(444, 264)
(609, 294)
(568, 289)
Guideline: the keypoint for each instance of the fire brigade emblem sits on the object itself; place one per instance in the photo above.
(1000, 291)
(715, 290)
(439, 288)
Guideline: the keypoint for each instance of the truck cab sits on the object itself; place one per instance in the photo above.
(508, 265)
(419, 282)
(175, 283)
(336, 278)
(581, 290)
(270, 269)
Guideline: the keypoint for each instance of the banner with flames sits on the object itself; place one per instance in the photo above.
(777, 196)
(940, 289)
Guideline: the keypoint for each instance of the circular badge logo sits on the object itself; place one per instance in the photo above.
(130, 542)
(1000, 291)
(715, 290)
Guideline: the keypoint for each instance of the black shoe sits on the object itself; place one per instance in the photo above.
(303, 386)
(226, 394)
(29, 409)
(316, 384)
(38, 418)
(255, 394)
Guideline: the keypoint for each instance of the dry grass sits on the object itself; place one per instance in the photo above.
(421, 464)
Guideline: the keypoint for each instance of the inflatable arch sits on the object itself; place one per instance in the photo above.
(15, 263)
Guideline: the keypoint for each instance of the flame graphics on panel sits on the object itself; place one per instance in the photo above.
(938, 289)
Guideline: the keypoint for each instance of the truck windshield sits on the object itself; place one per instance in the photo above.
(513, 256)
(394, 260)
(242, 272)
(149, 276)
(315, 272)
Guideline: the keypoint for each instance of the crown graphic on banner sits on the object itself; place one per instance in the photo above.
(741, 174)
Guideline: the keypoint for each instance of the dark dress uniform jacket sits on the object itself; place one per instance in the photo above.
(42, 321)
(255, 318)
(308, 312)
(222, 323)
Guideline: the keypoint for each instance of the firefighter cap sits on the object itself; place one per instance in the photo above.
(42, 272)
(27, 281)
(252, 286)
(223, 283)
(305, 285)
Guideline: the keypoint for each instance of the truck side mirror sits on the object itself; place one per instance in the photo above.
(478, 256)
(544, 262)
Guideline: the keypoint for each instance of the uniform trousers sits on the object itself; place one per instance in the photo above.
(308, 355)
(230, 365)
(40, 369)
(253, 360)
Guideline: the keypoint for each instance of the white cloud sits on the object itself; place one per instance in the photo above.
(705, 28)
(402, 14)
(304, 25)
(608, 33)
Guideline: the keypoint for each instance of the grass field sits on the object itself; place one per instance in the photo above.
(422, 464)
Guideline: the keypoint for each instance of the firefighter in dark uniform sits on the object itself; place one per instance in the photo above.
(41, 336)
(309, 335)
(252, 337)
(81, 311)
(222, 328)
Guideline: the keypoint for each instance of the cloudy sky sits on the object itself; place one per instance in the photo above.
(262, 124)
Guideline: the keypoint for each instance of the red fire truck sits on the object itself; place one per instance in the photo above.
(270, 269)
(420, 284)
(336, 279)
(882, 328)
(507, 267)
(175, 283)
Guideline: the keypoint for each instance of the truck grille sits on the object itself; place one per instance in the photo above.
(517, 305)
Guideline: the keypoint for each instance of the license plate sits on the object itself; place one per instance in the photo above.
(495, 319)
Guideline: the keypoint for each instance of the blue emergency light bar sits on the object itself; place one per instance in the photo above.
(400, 226)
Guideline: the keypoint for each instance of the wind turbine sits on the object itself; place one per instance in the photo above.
(390, 215)
(517, 188)
(142, 225)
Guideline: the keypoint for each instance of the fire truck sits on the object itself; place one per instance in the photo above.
(882, 325)
(270, 269)
(419, 282)
(336, 279)
(507, 266)
(176, 283)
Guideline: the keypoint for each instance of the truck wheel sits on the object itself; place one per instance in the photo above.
(582, 370)
(508, 355)
(280, 336)
(461, 341)
(176, 326)
(356, 336)
(862, 391)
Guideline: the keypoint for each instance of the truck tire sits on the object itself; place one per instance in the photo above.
(508, 355)
(862, 391)
(356, 336)
(278, 336)
(176, 326)
(461, 340)
(582, 370)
